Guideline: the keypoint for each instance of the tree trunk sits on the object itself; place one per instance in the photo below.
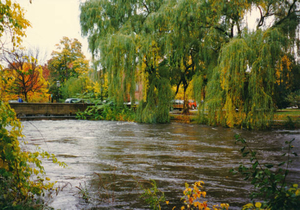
(185, 103)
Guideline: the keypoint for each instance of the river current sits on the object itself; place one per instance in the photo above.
(109, 160)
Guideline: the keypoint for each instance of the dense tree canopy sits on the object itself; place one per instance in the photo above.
(241, 91)
(67, 62)
(236, 71)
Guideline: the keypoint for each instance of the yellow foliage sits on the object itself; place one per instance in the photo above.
(21, 79)
(193, 195)
(13, 23)
(19, 165)
(283, 72)
(256, 206)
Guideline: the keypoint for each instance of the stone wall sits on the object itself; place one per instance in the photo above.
(47, 109)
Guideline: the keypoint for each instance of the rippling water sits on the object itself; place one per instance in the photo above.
(118, 155)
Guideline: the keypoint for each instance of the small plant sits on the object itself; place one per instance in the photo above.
(294, 192)
(290, 123)
(192, 198)
(153, 196)
(106, 189)
(83, 192)
(270, 180)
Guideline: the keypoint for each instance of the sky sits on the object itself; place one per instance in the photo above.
(51, 20)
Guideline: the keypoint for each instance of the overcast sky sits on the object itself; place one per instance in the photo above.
(51, 20)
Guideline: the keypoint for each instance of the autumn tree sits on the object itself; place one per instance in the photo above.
(24, 77)
(22, 177)
(12, 25)
(46, 72)
(12, 28)
(68, 61)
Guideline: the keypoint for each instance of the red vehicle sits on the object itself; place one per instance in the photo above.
(192, 104)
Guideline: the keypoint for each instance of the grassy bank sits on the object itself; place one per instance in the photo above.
(283, 114)
(287, 118)
(176, 116)
(283, 118)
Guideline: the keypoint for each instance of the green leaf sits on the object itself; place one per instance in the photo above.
(233, 171)
(255, 165)
(245, 154)
(269, 165)
(242, 150)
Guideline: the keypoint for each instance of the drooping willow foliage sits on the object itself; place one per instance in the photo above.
(121, 34)
(162, 43)
(241, 90)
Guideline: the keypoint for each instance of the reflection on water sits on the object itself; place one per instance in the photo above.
(122, 154)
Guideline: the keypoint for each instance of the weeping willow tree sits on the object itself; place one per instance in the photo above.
(187, 41)
(123, 37)
(241, 90)
(165, 42)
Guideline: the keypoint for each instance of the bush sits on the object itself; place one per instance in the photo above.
(193, 198)
(294, 98)
(107, 111)
(270, 180)
(22, 176)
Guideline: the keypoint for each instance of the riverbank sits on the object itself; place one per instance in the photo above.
(177, 116)
(283, 118)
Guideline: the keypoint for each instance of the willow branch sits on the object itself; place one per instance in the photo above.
(146, 7)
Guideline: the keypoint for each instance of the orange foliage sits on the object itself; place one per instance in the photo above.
(26, 80)
(46, 72)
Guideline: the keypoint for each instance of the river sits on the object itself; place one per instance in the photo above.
(109, 159)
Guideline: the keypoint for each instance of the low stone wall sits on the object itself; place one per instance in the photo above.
(47, 109)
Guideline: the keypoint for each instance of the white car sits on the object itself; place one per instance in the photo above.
(72, 100)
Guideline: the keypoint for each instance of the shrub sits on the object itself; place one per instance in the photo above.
(107, 112)
(192, 198)
(22, 176)
(270, 180)
(294, 98)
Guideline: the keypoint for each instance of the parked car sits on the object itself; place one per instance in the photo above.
(192, 104)
(13, 101)
(72, 100)
(78, 100)
(177, 104)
